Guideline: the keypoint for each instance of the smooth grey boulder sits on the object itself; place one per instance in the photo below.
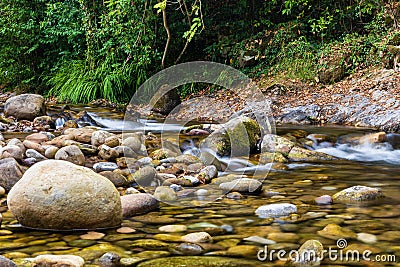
(60, 195)
(25, 106)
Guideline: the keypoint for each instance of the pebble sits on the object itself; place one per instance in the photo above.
(109, 260)
(367, 238)
(92, 236)
(105, 166)
(58, 260)
(199, 237)
(324, 200)
(125, 230)
(358, 193)
(276, 210)
(259, 240)
(173, 228)
(188, 249)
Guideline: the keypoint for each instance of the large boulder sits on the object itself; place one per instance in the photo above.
(10, 173)
(59, 195)
(25, 106)
(237, 137)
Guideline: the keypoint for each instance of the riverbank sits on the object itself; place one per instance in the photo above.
(369, 98)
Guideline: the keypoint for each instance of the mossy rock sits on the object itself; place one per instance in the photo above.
(237, 137)
(302, 154)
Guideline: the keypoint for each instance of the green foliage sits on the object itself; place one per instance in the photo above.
(82, 49)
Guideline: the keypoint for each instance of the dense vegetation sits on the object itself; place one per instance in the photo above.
(79, 50)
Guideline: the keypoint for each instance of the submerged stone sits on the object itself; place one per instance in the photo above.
(276, 210)
(204, 261)
(358, 193)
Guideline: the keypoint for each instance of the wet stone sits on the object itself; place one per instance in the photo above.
(173, 228)
(276, 210)
(109, 260)
(189, 249)
(105, 166)
(357, 193)
(199, 237)
(4, 262)
(334, 231)
(242, 185)
(204, 261)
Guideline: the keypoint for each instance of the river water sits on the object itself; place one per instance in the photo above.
(373, 226)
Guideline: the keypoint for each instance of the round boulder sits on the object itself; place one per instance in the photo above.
(59, 195)
(25, 106)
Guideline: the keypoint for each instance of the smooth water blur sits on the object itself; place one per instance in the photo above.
(298, 183)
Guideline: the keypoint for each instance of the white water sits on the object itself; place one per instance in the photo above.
(142, 125)
(382, 152)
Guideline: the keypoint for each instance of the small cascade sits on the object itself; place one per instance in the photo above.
(366, 151)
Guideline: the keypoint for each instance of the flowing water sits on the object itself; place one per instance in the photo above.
(231, 221)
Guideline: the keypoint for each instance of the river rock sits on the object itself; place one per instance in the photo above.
(12, 151)
(145, 175)
(335, 232)
(72, 154)
(302, 154)
(105, 166)
(116, 178)
(135, 204)
(358, 193)
(367, 238)
(108, 153)
(309, 254)
(188, 249)
(125, 151)
(165, 193)
(166, 99)
(31, 153)
(4, 262)
(109, 260)
(58, 260)
(203, 261)
(242, 185)
(25, 106)
(198, 237)
(33, 145)
(50, 152)
(373, 138)
(10, 173)
(112, 141)
(187, 159)
(18, 143)
(59, 195)
(274, 143)
(243, 131)
(134, 142)
(276, 210)
(99, 137)
(83, 135)
(37, 138)
(173, 228)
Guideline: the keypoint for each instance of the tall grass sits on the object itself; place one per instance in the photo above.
(75, 82)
